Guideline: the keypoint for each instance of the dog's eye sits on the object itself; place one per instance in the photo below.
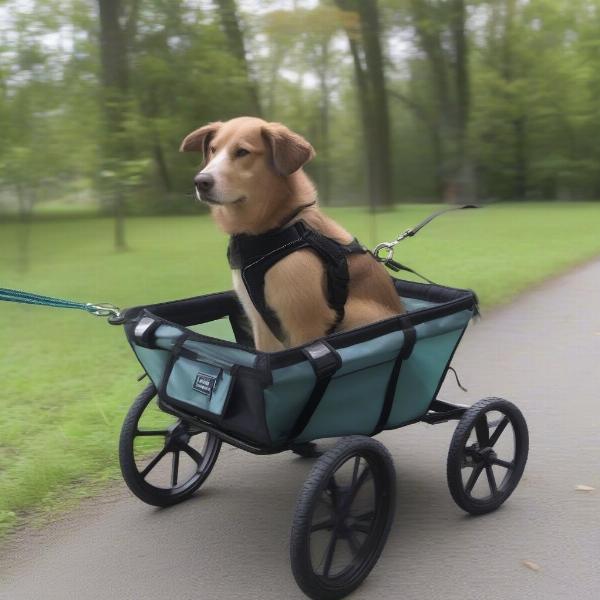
(241, 152)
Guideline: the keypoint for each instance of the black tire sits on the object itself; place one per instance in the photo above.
(176, 440)
(342, 500)
(483, 454)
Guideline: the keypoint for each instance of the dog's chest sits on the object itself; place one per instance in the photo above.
(244, 297)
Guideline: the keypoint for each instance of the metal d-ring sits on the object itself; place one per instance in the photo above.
(387, 248)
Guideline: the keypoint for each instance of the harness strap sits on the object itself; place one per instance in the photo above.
(396, 266)
(255, 255)
(336, 266)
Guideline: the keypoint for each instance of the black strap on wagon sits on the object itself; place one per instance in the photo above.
(254, 255)
(325, 362)
(410, 337)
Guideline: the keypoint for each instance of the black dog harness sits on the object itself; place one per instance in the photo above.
(254, 255)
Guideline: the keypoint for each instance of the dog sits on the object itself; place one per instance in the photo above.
(253, 181)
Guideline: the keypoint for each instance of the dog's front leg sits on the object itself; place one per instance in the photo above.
(264, 340)
(294, 289)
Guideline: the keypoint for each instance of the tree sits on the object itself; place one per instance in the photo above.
(441, 34)
(235, 40)
(114, 50)
(367, 55)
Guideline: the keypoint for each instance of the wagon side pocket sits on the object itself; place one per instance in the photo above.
(193, 383)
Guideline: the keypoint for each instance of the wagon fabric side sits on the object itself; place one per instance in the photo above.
(380, 376)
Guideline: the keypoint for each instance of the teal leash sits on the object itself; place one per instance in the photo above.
(100, 309)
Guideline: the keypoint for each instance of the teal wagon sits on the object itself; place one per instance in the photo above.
(214, 386)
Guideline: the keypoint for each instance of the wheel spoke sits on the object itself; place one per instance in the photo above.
(498, 431)
(363, 522)
(503, 463)
(175, 468)
(491, 479)
(328, 524)
(143, 432)
(473, 477)
(482, 431)
(329, 555)
(366, 516)
(193, 454)
(361, 527)
(356, 485)
(153, 463)
(353, 543)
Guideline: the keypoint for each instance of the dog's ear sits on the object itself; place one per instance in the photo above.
(289, 151)
(199, 140)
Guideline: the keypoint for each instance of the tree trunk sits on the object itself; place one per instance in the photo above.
(519, 186)
(379, 120)
(161, 164)
(372, 98)
(436, 143)
(429, 35)
(465, 172)
(445, 44)
(324, 145)
(115, 82)
(26, 199)
(235, 40)
(365, 111)
(276, 61)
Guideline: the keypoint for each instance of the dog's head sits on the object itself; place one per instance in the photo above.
(247, 161)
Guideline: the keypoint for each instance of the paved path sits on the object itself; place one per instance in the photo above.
(230, 540)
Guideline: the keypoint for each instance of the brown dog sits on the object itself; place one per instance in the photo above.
(252, 178)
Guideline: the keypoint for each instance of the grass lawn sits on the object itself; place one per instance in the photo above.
(68, 378)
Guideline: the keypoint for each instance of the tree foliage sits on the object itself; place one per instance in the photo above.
(402, 99)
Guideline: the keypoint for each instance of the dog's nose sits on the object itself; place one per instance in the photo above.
(204, 182)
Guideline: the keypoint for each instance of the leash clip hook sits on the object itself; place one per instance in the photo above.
(103, 309)
(384, 252)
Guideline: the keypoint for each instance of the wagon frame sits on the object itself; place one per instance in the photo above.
(226, 391)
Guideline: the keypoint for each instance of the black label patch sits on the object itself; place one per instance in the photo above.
(205, 384)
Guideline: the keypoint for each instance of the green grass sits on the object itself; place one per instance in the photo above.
(68, 378)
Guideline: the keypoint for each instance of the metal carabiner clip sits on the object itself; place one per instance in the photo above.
(103, 309)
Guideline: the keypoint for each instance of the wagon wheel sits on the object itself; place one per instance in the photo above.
(487, 455)
(163, 460)
(342, 518)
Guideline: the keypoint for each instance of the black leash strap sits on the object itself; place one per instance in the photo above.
(417, 228)
(384, 252)
(396, 266)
